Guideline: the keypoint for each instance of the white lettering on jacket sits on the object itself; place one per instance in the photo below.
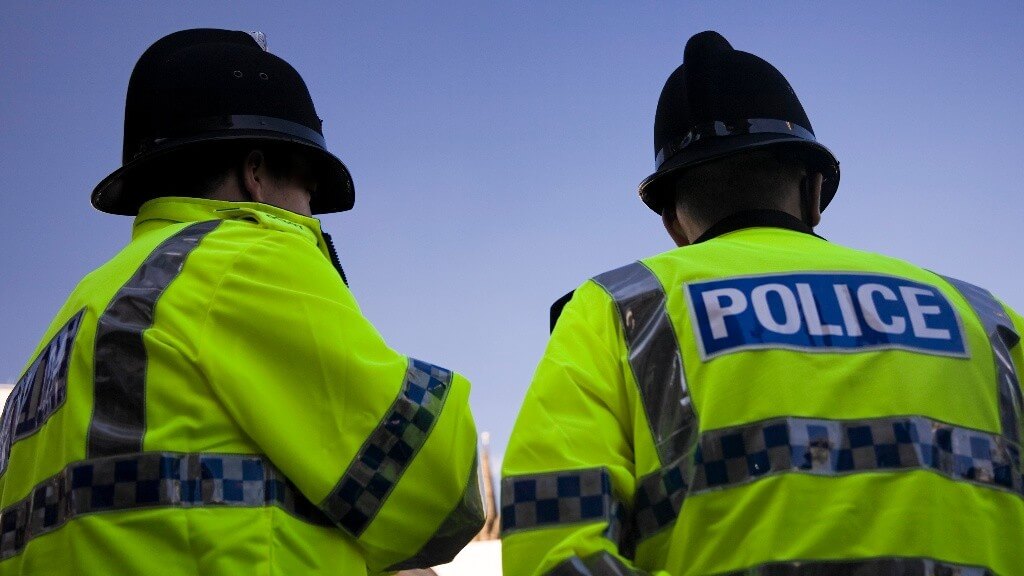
(825, 311)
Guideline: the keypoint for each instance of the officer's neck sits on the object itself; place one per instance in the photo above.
(753, 219)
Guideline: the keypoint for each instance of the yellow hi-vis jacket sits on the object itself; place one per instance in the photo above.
(212, 401)
(766, 403)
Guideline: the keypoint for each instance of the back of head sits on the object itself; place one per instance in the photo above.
(750, 180)
(721, 103)
(202, 92)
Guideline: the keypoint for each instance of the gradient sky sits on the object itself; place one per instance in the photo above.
(496, 148)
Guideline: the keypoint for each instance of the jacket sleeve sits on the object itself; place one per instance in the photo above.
(568, 476)
(1016, 347)
(384, 445)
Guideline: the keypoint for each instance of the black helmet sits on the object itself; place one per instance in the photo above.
(721, 101)
(205, 85)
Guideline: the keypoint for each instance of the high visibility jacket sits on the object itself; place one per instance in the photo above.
(768, 403)
(212, 401)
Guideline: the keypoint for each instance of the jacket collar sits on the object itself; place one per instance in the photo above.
(755, 219)
(163, 211)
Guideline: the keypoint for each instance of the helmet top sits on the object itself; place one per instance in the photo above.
(206, 85)
(721, 101)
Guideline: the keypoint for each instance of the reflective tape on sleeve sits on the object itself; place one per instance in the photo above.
(119, 409)
(658, 499)
(390, 448)
(654, 358)
(600, 564)
(150, 480)
(560, 498)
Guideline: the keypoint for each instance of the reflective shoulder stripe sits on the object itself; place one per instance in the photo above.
(150, 480)
(459, 527)
(560, 498)
(119, 408)
(600, 564)
(1003, 337)
(869, 567)
(654, 357)
(390, 448)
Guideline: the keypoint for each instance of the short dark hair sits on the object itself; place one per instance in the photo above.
(197, 171)
(759, 179)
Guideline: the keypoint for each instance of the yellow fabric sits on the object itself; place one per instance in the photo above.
(583, 410)
(257, 347)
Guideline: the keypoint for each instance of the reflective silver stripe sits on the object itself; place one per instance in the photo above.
(600, 564)
(1003, 337)
(150, 480)
(390, 448)
(734, 456)
(464, 522)
(654, 358)
(870, 567)
(119, 378)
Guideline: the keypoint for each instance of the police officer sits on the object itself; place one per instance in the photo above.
(211, 400)
(760, 401)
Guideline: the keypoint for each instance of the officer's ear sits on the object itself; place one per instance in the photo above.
(810, 198)
(670, 218)
(254, 175)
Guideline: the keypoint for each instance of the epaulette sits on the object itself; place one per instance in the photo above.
(556, 308)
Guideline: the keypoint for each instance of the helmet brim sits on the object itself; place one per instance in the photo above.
(657, 190)
(335, 190)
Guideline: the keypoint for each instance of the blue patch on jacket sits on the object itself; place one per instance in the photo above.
(827, 312)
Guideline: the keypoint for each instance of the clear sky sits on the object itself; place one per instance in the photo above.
(496, 147)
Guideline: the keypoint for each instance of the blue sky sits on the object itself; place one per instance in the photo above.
(496, 148)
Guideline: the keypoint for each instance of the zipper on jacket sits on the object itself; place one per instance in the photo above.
(334, 257)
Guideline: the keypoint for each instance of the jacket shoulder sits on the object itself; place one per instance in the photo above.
(558, 306)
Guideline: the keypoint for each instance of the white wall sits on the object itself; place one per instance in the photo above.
(5, 391)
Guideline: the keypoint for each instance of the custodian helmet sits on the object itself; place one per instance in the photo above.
(204, 85)
(721, 101)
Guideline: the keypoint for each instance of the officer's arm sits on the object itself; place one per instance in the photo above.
(568, 473)
(383, 444)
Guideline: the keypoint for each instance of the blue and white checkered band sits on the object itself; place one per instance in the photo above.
(865, 567)
(604, 564)
(718, 129)
(390, 448)
(735, 456)
(562, 498)
(40, 392)
(150, 480)
(823, 312)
